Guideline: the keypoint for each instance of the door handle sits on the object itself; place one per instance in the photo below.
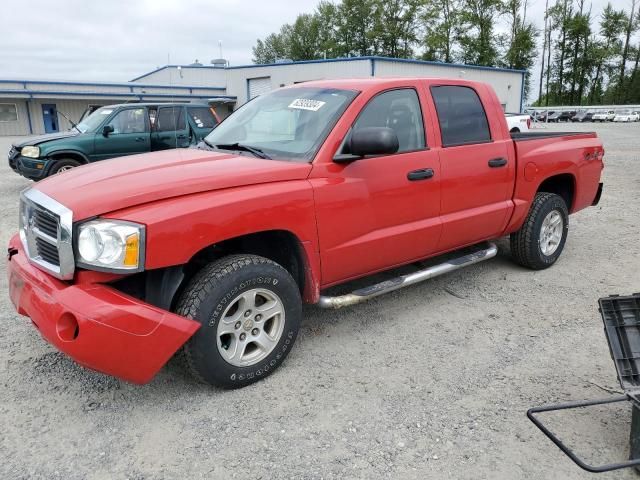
(421, 174)
(182, 137)
(139, 139)
(497, 162)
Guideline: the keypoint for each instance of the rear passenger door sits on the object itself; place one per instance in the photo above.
(170, 129)
(477, 173)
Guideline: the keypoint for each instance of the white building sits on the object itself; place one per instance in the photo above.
(34, 106)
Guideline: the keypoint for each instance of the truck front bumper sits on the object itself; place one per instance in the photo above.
(98, 326)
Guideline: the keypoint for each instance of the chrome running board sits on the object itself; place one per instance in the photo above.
(366, 293)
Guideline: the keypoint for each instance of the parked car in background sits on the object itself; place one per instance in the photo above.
(626, 116)
(566, 115)
(604, 116)
(518, 122)
(113, 131)
(214, 250)
(554, 117)
(543, 115)
(583, 116)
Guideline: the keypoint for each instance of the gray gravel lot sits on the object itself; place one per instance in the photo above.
(428, 382)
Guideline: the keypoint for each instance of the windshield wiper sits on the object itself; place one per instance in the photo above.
(239, 146)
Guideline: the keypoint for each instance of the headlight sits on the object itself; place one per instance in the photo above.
(30, 151)
(111, 245)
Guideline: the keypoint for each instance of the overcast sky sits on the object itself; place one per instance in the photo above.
(117, 40)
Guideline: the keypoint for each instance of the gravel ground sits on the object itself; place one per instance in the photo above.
(432, 381)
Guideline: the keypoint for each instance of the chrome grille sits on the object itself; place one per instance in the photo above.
(45, 230)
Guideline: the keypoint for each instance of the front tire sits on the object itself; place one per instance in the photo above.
(63, 165)
(250, 310)
(541, 239)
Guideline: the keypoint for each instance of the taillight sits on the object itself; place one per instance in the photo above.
(529, 122)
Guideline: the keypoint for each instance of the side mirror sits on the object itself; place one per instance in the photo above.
(106, 130)
(370, 141)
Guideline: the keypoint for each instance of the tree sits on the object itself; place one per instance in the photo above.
(605, 49)
(476, 31)
(395, 27)
(438, 19)
(521, 50)
(303, 37)
(631, 28)
(275, 46)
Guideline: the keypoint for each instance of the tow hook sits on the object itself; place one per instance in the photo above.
(11, 252)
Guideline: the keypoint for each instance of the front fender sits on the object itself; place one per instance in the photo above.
(178, 228)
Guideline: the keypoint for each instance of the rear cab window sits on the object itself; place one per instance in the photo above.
(461, 115)
(202, 117)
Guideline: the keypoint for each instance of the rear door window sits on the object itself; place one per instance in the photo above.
(202, 117)
(170, 119)
(461, 115)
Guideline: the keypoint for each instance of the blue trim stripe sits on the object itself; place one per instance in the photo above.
(524, 73)
(32, 93)
(28, 105)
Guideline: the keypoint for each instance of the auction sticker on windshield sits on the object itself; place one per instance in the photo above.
(306, 104)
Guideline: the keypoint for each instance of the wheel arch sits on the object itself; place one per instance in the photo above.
(69, 154)
(163, 286)
(563, 184)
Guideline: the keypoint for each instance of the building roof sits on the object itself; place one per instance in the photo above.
(329, 60)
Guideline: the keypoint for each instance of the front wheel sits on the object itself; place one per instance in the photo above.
(540, 240)
(250, 310)
(63, 165)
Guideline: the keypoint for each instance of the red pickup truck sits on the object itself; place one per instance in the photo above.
(212, 250)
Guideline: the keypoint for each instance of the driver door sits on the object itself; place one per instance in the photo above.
(130, 134)
(379, 212)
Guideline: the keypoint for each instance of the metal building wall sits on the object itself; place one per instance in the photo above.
(289, 73)
(507, 84)
(205, 76)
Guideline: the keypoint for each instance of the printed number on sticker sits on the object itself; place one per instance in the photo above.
(307, 104)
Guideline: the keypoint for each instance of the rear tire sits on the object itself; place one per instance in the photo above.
(63, 165)
(250, 310)
(540, 240)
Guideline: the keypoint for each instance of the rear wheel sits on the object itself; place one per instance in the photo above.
(63, 165)
(540, 240)
(250, 310)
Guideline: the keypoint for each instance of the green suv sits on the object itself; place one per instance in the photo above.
(113, 131)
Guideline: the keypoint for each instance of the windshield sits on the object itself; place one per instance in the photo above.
(93, 121)
(290, 123)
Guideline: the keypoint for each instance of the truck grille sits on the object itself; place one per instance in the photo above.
(45, 230)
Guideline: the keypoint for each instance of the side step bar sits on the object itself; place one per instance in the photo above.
(366, 293)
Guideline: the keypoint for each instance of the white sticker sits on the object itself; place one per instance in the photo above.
(307, 104)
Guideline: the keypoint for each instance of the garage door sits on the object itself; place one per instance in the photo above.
(258, 86)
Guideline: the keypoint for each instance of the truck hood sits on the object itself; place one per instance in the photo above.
(123, 182)
(46, 138)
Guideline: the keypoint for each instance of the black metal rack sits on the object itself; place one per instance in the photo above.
(621, 317)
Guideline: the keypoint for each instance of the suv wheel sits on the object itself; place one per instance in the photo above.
(540, 240)
(250, 310)
(63, 165)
